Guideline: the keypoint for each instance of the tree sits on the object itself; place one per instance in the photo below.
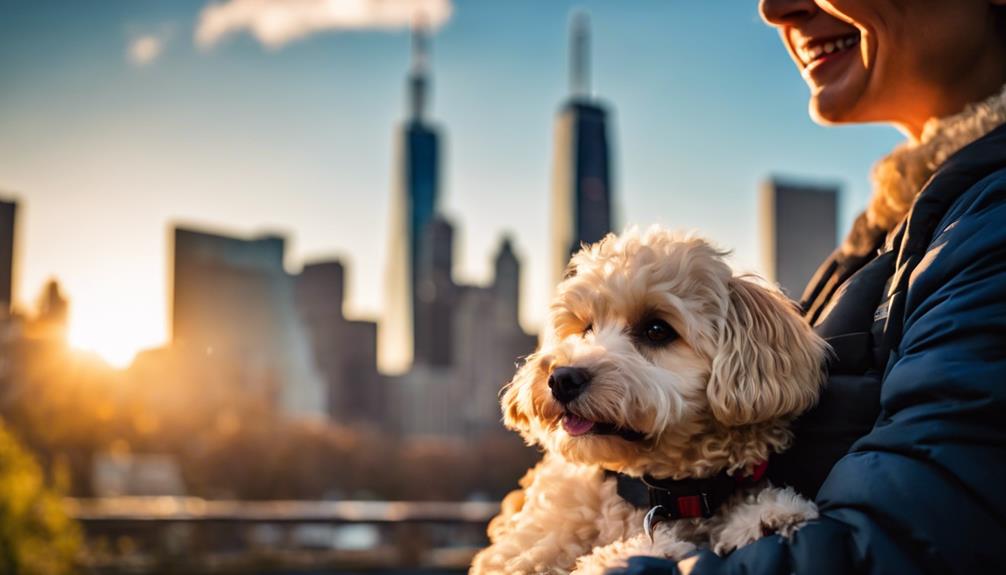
(37, 537)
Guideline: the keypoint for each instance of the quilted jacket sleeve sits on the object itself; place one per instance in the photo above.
(925, 490)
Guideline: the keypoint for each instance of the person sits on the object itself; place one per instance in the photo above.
(905, 453)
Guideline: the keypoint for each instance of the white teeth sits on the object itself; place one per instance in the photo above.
(810, 54)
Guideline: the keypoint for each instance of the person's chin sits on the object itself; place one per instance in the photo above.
(824, 114)
(839, 100)
(835, 105)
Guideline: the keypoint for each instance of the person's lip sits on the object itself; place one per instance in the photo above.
(815, 50)
(828, 67)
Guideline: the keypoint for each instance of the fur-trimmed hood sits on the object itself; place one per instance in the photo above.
(899, 177)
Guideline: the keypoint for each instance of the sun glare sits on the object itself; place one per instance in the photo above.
(115, 349)
(116, 337)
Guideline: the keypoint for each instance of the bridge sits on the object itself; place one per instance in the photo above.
(139, 535)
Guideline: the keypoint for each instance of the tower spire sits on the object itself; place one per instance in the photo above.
(579, 79)
(418, 81)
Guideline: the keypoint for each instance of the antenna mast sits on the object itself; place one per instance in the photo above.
(579, 80)
(420, 66)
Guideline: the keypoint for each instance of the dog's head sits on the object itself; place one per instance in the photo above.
(653, 349)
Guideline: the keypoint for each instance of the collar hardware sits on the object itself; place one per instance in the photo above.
(669, 499)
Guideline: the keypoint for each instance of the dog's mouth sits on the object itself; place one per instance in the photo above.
(577, 426)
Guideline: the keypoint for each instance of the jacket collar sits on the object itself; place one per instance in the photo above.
(952, 178)
(899, 177)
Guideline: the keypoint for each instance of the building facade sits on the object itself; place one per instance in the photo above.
(799, 228)
(232, 298)
(490, 343)
(8, 213)
(484, 343)
(345, 350)
(436, 296)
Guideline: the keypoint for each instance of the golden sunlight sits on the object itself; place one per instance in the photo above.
(113, 347)
(114, 330)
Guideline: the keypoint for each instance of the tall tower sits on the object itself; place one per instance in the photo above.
(233, 298)
(436, 296)
(581, 179)
(8, 212)
(799, 228)
(414, 205)
(506, 285)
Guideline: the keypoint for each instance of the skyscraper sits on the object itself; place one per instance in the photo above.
(506, 286)
(481, 333)
(8, 210)
(232, 299)
(436, 295)
(414, 207)
(345, 350)
(799, 224)
(581, 186)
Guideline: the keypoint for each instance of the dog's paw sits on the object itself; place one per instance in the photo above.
(665, 545)
(786, 521)
(772, 511)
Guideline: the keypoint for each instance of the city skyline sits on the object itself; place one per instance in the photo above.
(298, 137)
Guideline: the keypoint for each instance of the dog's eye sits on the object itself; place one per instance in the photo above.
(588, 328)
(657, 331)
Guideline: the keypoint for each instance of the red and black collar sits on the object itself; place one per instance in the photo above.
(683, 498)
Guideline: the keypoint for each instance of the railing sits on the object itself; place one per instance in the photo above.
(192, 535)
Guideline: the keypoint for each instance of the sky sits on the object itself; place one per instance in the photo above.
(121, 118)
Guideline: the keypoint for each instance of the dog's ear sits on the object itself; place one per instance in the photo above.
(769, 362)
(526, 398)
(513, 417)
(517, 397)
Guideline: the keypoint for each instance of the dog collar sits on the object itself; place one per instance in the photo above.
(682, 498)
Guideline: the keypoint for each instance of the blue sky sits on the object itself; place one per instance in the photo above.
(105, 153)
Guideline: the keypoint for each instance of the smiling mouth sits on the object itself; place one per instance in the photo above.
(577, 426)
(817, 51)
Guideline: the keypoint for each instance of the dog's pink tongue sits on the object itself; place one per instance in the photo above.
(576, 425)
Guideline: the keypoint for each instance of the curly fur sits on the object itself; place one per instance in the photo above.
(717, 398)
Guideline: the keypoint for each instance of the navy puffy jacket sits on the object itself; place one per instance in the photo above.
(924, 490)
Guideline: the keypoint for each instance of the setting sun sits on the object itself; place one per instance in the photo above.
(114, 330)
(114, 348)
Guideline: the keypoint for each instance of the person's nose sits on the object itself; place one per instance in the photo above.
(786, 12)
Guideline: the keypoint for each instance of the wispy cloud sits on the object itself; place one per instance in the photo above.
(144, 48)
(276, 22)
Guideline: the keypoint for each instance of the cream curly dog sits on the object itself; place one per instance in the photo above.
(662, 379)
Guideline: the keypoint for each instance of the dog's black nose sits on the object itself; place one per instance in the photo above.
(567, 383)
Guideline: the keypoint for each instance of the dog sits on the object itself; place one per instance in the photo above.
(662, 385)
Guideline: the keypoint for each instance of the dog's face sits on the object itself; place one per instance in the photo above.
(652, 340)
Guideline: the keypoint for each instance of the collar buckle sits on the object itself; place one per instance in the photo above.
(655, 515)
